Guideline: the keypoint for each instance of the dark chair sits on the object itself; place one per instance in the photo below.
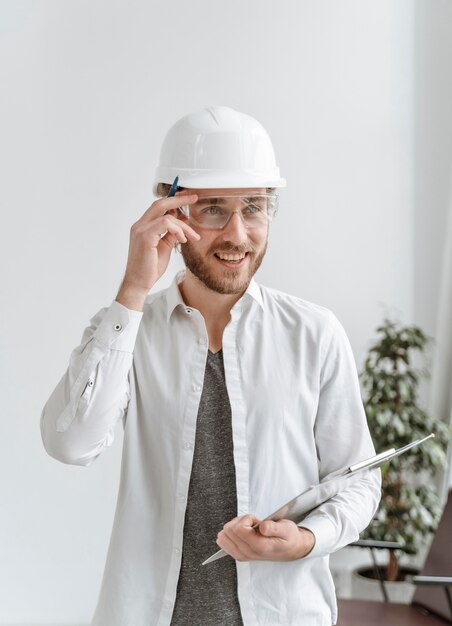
(432, 601)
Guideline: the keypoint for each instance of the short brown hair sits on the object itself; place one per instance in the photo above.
(163, 189)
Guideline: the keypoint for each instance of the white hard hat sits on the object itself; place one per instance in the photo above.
(218, 147)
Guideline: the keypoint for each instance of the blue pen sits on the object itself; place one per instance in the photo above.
(172, 192)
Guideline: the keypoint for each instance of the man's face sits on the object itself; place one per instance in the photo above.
(210, 259)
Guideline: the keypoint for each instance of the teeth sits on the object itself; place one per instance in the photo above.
(230, 257)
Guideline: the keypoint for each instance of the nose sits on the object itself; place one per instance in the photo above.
(235, 230)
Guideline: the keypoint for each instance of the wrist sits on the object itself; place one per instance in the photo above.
(131, 297)
(307, 541)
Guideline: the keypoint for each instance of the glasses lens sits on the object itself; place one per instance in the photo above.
(215, 212)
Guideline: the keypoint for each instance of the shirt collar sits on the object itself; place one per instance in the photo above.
(174, 296)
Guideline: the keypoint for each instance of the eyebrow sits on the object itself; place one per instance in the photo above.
(222, 200)
(210, 199)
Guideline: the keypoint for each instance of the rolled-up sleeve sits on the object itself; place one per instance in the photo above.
(342, 439)
(79, 418)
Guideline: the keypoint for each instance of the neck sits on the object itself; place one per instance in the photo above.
(214, 307)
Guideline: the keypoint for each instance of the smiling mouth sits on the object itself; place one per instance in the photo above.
(231, 258)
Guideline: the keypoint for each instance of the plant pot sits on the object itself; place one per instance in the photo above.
(366, 586)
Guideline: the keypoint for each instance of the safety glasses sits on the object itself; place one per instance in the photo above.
(214, 212)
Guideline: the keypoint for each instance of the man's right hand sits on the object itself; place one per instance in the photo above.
(149, 251)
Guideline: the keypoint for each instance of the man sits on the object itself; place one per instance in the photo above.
(234, 398)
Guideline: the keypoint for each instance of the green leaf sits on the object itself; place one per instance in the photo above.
(408, 511)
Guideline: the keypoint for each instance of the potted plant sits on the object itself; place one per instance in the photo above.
(410, 509)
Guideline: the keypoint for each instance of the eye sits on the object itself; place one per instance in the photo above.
(254, 209)
(212, 210)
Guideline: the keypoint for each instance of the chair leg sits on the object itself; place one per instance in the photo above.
(379, 576)
(449, 599)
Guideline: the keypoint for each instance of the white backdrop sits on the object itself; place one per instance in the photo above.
(89, 89)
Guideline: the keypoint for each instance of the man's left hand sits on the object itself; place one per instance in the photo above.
(274, 541)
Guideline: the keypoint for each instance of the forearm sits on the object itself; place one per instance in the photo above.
(131, 297)
(79, 419)
(340, 520)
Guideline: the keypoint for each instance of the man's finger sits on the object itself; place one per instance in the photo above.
(161, 225)
(236, 546)
(192, 234)
(162, 205)
(274, 529)
(244, 521)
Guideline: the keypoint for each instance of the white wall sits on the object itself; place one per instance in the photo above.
(433, 153)
(89, 89)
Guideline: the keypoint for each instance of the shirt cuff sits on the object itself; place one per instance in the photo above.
(119, 327)
(324, 532)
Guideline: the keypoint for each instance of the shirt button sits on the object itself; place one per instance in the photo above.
(176, 550)
(196, 387)
(202, 341)
(188, 310)
(117, 327)
(167, 604)
(181, 497)
(188, 445)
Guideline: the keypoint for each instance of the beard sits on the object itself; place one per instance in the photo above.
(224, 280)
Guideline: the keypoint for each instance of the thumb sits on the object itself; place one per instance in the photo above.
(269, 529)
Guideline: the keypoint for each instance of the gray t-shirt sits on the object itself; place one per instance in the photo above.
(207, 595)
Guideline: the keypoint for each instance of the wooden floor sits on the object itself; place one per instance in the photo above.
(366, 613)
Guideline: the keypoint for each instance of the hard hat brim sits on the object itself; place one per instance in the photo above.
(193, 179)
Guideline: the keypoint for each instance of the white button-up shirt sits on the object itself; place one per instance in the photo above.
(297, 416)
